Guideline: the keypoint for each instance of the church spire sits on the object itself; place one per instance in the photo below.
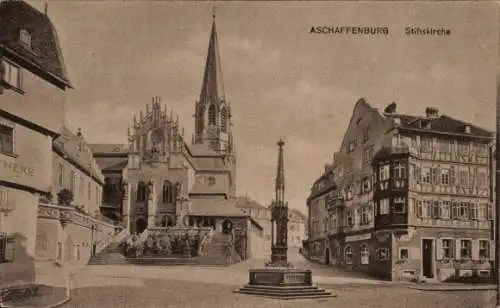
(212, 90)
(280, 176)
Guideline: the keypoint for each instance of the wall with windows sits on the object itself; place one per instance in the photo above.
(455, 252)
(31, 97)
(86, 189)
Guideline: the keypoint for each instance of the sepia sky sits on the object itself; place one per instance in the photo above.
(282, 81)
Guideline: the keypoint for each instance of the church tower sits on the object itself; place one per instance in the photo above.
(212, 110)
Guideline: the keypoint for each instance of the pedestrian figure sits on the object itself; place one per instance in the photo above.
(228, 251)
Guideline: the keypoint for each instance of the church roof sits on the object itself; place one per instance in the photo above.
(214, 207)
(74, 148)
(202, 188)
(45, 53)
(109, 148)
(213, 88)
(246, 202)
(201, 149)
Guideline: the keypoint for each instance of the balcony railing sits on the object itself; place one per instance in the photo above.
(69, 214)
(335, 202)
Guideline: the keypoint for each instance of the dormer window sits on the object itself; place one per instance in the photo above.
(467, 129)
(25, 38)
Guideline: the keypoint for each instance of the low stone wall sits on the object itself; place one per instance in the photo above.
(66, 235)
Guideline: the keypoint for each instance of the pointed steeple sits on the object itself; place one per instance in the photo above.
(280, 176)
(212, 89)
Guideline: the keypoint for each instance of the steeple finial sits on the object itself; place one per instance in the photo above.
(45, 6)
(213, 11)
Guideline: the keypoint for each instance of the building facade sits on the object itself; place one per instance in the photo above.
(76, 193)
(296, 228)
(318, 219)
(160, 180)
(414, 197)
(33, 81)
(262, 215)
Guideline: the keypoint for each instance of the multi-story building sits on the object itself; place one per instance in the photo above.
(33, 82)
(422, 205)
(76, 170)
(296, 228)
(262, 215)
(318, 218)
(297, 222)
(76, 192)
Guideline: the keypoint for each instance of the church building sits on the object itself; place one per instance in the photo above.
(168, 182)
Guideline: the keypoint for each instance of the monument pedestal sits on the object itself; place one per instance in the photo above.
(282, 283)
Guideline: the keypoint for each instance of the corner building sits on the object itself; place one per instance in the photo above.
(417, 201)
(33, 81)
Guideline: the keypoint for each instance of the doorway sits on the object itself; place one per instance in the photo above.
(427, 258)
(327, 256)
(227, 226)
(141, 225)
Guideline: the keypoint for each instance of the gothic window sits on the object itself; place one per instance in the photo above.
(141, 191)
(212, 115)
(224, 119)
(168, 189)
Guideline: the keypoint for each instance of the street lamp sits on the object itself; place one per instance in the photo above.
(92, 243)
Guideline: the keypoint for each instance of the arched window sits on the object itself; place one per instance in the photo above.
(224, 119)
(212, 114)
(365, 254)
(348, 255)
(141, 191)
(167, 192)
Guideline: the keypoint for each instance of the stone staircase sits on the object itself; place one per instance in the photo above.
(214, 252)
(109, 255)
(285, 292)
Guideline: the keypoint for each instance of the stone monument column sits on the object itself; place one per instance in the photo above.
(127, 199)
(152, 204)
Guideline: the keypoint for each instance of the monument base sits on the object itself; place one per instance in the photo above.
(282, 283)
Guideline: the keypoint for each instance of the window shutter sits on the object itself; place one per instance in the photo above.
(452, 176)
(454, 209)
(490, 211)
(457, 249)
(475, 250)
(439, 249)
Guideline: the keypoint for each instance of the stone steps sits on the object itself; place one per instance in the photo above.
(285, 292)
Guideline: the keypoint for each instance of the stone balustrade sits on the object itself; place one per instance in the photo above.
(68, 214)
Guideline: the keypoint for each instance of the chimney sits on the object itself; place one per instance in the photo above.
(79, 133)
(431, 112)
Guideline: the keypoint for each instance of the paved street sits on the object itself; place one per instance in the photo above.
(148, 286)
